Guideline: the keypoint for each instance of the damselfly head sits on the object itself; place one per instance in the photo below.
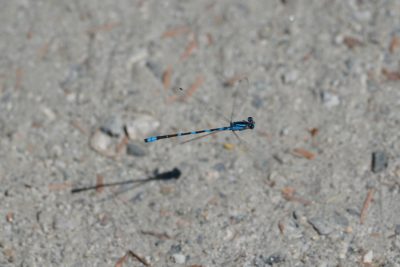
(251, 122)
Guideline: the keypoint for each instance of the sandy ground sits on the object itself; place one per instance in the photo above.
(316, 183)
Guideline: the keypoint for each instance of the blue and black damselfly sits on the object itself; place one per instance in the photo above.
(234, 126)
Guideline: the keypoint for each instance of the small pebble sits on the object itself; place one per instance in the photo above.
(330, 100)
(290, 76)
(175, 249)
(179, 258)
(155, 69)
(229, 146)
(291, 229)
(340, 219)
(259, 261)
(113, 126)
(49, 113)
(260, 85)
(379, 161)
(262, 261)
(264, 33)
(200, 239)
(134, 149)
(64, 223)
(101, 143)
(321, 225)
(56, 151)
(368, 257)
(284, 131)
(137, 57)
(257, 102)
(353, 211)
(141, 127)
(397, 229)
(219, 167)
(274, 258)
(137, 198)
(299, 216)
(372, 86)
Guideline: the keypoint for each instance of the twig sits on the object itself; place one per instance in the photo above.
(198, 83)
(103, 28)
(44, 49)
(301, 152)
(394, 44)
(76, 124)
(166, 77)
(139, 258)
(288, 194)
(175, 32)
(122, 260)
(18, 78)
(232, 81)
(58, 187)
(367, 201)
(281, 227)
(190, 48)
(162, 236)
(121, 145)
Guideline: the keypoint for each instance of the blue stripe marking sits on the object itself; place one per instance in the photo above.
(238, 128)
(193, 132)
(151, 139)
(208, 131)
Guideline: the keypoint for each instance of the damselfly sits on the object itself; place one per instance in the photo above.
(234, 126)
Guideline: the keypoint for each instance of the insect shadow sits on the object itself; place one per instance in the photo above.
(164, 176)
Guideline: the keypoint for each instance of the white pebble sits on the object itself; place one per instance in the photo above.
(141, 126)
(49, 113)
(179, 258)
(101, 142)
(330, 100)
(291, 76)
(368, 257)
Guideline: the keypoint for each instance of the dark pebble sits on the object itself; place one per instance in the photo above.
(275, 258)
(155, 69)
(175, 249)
(112, 126)
(321, 225)
(219, 167)
(137, 198)
(262, 261)
(200, 239)
(136, 150)
(379, 161)
(397, 229)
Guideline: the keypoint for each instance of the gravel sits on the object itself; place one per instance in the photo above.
(82, 84)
